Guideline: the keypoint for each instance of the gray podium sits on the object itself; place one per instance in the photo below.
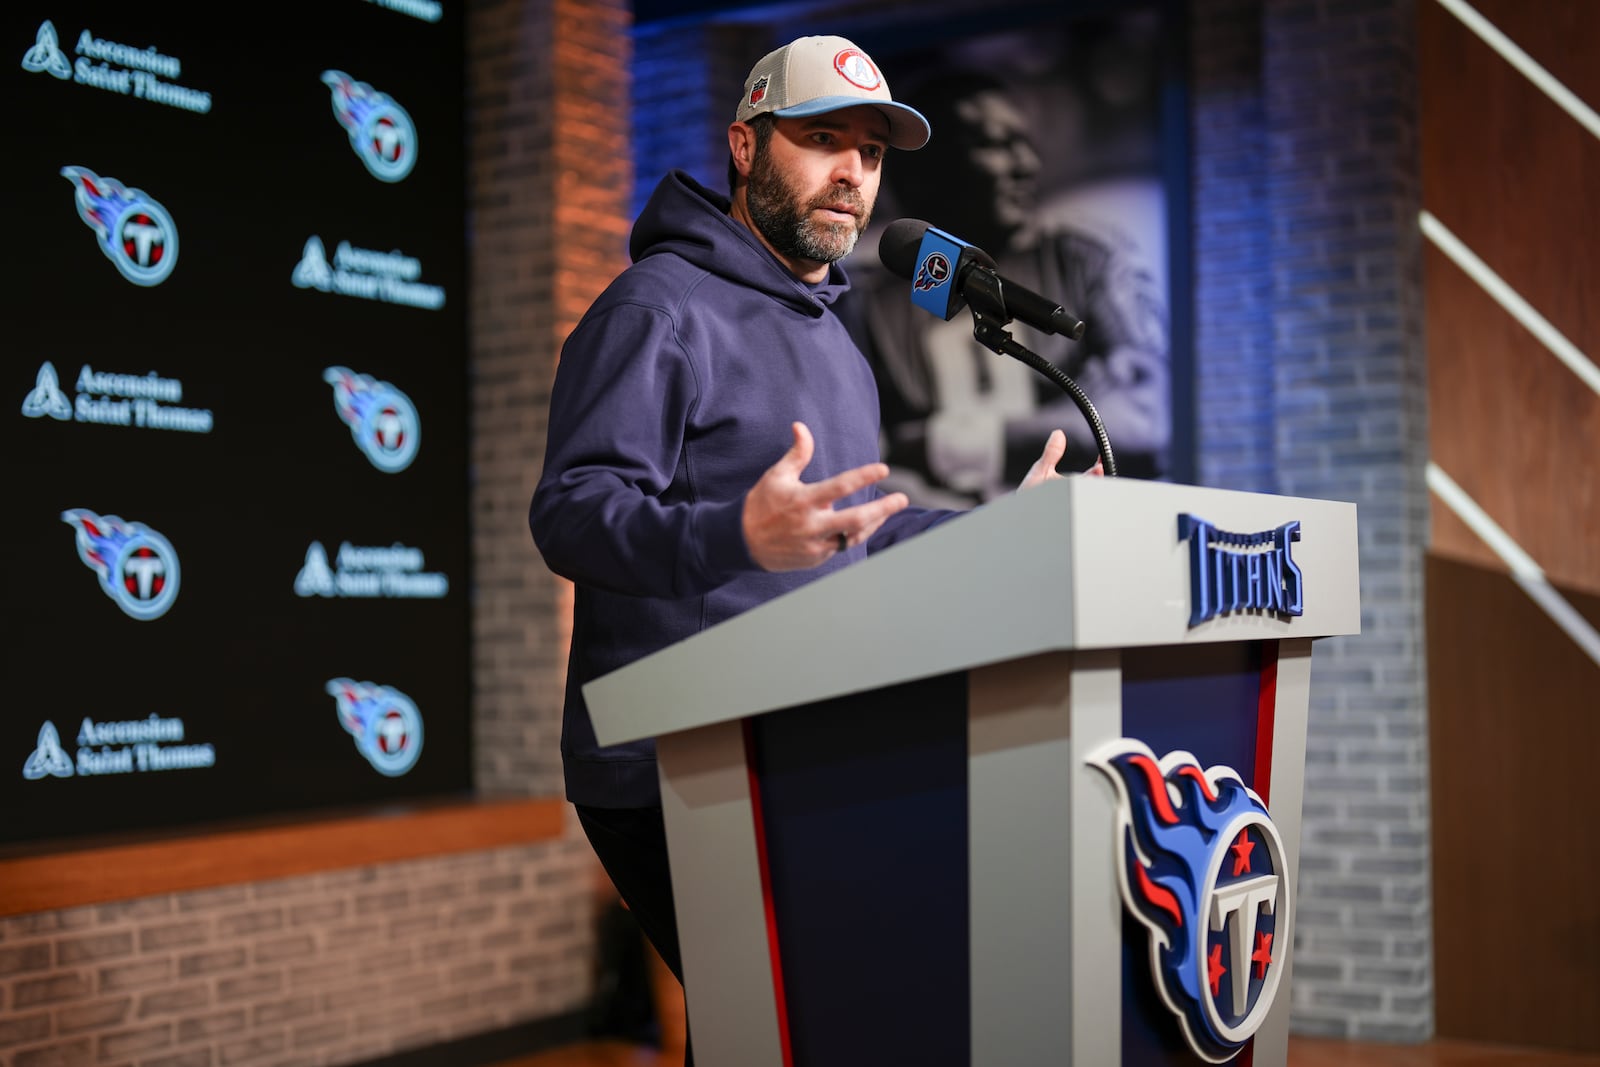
(1024, 790)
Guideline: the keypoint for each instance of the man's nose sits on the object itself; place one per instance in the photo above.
(848, 169)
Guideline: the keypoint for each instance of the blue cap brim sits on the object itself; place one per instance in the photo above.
(908, 130)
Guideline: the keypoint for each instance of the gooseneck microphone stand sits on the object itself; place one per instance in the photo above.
(986, 297)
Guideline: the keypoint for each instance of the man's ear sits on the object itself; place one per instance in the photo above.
(742, 147)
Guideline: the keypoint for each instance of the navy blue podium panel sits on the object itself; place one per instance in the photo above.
(1215, 702)
(863, 808)
(1203, 699)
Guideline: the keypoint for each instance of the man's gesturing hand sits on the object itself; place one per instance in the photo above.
(1044, 468)
(790, 525)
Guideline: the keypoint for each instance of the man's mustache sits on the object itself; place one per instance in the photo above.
(852, 200)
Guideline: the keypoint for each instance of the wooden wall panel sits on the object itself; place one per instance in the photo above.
(130, 869)
(1451, 538)
(1514, 733)
(1514, 427)
(1560, 37)
(1514, 703)
(1513, 176)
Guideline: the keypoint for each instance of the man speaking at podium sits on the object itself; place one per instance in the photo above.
(713, 436)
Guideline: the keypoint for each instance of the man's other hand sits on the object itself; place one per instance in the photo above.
(1044, 468)
(790, 525)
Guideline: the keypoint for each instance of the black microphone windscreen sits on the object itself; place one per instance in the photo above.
(897, 248)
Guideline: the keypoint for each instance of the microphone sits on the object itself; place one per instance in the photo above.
(946, 272)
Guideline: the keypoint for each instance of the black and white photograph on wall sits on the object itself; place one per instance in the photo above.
(1048, 153)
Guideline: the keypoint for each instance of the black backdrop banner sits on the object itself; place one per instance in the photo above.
(235, 457)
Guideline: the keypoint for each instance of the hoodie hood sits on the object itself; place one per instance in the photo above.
(685, 219)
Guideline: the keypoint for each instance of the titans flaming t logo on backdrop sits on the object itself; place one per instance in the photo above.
(1201, 865)
(381, 418)
(137, 566)
(386, 725)
(134, 231)
(381, 132)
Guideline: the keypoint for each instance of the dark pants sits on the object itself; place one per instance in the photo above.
(632, 846)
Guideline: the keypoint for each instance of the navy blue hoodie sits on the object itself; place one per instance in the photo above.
(674, 394)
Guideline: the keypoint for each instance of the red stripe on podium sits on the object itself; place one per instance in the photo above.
(1266, 717)
(780, 1002)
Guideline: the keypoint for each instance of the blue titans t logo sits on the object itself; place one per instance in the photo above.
(1201, 865)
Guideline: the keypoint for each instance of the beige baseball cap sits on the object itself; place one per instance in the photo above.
(815, 75)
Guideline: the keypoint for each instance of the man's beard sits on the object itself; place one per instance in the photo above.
(782, 214)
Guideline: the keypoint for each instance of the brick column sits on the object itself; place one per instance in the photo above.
(551, 180)
(1352, 423)
(1232, 281)
(518, 643)
(1311, 383)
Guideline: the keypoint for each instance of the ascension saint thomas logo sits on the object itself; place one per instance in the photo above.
(46, 57)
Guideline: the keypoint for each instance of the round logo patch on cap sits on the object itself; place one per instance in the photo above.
(857, 69)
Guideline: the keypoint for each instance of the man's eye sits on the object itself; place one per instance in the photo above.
(873, 151)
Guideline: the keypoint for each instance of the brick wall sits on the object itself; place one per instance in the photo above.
(334, 968)
(1310, 380)
(353, 965)
(1232, 266)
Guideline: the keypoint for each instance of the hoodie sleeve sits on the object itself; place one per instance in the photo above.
(905, 523)
(607, 512)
